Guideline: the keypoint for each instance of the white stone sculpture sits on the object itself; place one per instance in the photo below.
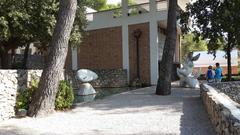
(85, 76)
(185, 73)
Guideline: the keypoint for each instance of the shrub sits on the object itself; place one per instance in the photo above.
(24, 97)
(65, 96)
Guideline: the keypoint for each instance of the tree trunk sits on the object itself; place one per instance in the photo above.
(4, 60)
(43, 101)
(164, 80)
(25, 58)
(229, 75)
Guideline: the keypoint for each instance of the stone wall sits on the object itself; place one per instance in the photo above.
(106, 78)
(223, 112)
(111, 78)
(10, 82)
(13, 80)
(231, 89)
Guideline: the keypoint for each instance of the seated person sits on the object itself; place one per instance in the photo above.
(210, 75)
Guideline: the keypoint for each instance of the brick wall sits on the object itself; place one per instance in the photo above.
(204, 69)
(144, 52)
(101, 49)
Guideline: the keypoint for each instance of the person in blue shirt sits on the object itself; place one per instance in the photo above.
(210, 75)
(218, 73)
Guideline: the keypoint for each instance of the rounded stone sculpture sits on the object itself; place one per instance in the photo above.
(185, 73)
(86, 76)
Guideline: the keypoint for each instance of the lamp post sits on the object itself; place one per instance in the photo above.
(137, 34)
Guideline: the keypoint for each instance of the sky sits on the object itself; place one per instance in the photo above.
(113, 1)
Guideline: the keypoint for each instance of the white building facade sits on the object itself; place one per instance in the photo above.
(153, 13)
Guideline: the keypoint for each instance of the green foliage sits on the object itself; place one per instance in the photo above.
(109, 6)
(101, 5)
(24, 97)
(65, 96)
(98, 4)
(217, 21)
(26, 21)
(234, 78)
(189, 44)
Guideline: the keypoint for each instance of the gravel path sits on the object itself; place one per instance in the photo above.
(138, 112)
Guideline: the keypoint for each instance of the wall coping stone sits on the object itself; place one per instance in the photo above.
(223, 100)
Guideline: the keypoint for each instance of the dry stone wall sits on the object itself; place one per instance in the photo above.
(111, 78)
(223, 112)
(231, 89)
(108, 78)
(10, 82)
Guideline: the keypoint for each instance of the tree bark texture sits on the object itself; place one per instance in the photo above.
(43, 101)
(5, 47)
(25, 58)
(4, 57)
(4, 60)
(164, 80)
(229, 67)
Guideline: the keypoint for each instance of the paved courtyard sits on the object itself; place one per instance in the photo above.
(138, 112)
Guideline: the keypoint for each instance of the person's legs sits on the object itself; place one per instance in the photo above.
(218, 80)
(210, 80)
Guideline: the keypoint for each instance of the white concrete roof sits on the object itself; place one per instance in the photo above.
(90, 10)
(206, 59)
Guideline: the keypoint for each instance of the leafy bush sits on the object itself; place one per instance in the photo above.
(234, 78)
(65, 96)
(24, 97)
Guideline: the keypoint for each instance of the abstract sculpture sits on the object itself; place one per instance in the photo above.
(186, 72)
(85, 76)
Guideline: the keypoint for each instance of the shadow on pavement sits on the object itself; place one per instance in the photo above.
(7, 130)
(134, 101)
(194, 120)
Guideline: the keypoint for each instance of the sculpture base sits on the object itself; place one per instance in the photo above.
(86, 89)
(189, 81)
(88, 98)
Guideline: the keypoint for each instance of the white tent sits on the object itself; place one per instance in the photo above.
(206, 59)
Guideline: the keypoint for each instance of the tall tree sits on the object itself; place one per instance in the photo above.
(164, 80)
(44, 98)
(189, 44)
(25, 21)
(14, 18)
(217, 21)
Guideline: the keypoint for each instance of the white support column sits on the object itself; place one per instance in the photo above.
(74, 59)
(124, 8)
(153, 43)
(125, 47)
(154, 52)
(153, 6)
